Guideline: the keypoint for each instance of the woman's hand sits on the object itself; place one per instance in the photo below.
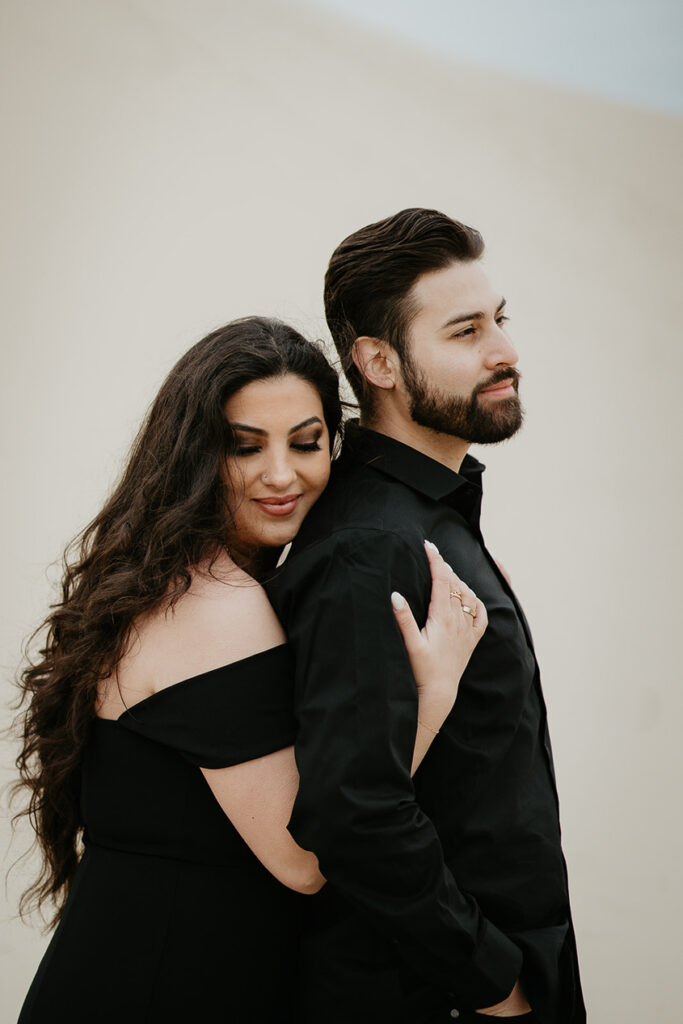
(439, 651)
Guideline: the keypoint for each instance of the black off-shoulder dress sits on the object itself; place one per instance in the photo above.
(170, 917)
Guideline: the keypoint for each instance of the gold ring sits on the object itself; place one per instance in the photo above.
(454, 593)
(469, 611)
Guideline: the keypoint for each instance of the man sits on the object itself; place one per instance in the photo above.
(446, 894)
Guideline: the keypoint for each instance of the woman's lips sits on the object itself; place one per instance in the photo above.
(278, 506)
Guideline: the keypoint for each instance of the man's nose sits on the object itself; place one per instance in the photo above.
(500, 350)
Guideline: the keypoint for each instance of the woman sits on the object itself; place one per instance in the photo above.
(164, 663)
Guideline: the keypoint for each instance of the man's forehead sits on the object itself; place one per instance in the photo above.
(453, 291)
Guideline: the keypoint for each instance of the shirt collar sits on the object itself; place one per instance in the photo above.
(462, 490)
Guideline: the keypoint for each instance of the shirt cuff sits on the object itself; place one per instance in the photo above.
(496, 966)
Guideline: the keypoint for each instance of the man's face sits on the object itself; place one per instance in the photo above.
(459, 366)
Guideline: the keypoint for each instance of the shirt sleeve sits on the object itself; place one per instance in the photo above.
(356, 707)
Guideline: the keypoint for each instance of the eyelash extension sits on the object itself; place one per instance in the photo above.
(312, 446)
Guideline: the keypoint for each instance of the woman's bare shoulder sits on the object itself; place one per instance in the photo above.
(223, 617)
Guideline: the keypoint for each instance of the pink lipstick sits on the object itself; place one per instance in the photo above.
(283, 506)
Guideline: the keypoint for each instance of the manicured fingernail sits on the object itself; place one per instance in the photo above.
(428, 544)
(397, 601)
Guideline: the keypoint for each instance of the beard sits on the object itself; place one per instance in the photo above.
(466, 417)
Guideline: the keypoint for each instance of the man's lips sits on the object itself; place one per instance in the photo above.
(502, 388)
(278, 506)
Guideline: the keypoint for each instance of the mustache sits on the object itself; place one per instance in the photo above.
(498, 376)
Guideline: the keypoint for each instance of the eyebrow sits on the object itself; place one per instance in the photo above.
(470, 316)
(264, 433)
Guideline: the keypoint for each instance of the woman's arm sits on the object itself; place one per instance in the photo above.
(258, 795)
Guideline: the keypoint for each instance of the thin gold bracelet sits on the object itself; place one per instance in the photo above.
(435, 732)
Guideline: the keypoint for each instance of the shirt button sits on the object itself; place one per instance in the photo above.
(455, 1013)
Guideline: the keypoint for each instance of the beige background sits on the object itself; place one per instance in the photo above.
(172, 166)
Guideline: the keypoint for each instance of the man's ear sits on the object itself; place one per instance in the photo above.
(376, 361)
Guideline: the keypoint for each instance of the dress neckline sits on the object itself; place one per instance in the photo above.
(191, 680)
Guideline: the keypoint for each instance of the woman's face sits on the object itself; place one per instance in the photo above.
(281, 462)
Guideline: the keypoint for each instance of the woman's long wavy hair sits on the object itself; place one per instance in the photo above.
(169, 512)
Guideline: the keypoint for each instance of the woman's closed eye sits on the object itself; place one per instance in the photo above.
(306, 446)
(307, 440)
(252, 447)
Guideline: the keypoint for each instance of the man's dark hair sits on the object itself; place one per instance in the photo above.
(371, 274)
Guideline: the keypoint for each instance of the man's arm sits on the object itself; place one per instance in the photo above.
(356, 808)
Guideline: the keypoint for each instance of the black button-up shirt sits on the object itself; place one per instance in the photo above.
(444, 889)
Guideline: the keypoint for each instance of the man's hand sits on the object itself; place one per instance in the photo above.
(514, 1004)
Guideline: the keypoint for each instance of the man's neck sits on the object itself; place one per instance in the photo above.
(443, 448)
